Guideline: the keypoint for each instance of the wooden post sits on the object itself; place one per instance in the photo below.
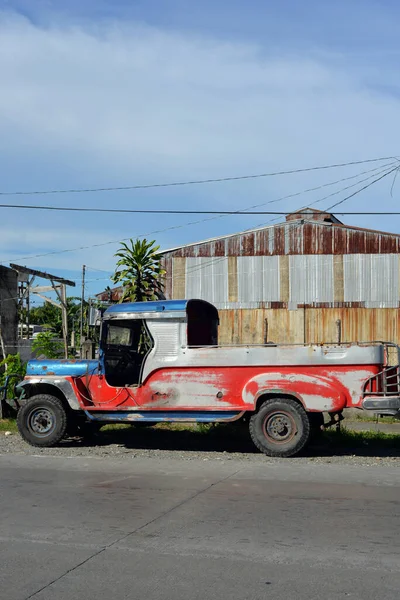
(339, 331)
(88, 349)
(28, 309)
(88, 317)
(265, 331)
(64, 318)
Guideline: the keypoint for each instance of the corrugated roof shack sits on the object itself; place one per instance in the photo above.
(8, 309)
(310, 279)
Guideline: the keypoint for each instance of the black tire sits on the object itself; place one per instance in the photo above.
(42, 421)
(280, 427)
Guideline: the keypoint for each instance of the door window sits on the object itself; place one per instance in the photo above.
(125, 346)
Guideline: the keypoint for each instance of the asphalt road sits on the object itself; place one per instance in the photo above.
(97, 529)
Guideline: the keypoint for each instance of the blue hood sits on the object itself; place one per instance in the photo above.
(66, 367)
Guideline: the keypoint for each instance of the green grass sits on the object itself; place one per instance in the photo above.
(346, 438)
(372, 419)
(8, 425)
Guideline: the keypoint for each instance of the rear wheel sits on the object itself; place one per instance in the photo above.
(280, 427)
(42, 421)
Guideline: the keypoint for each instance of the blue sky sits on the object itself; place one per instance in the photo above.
(117, 93)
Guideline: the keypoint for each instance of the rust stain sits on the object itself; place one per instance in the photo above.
(261, 243)
(310, 243)
(247, 244)
(219, 248)
(279, 239)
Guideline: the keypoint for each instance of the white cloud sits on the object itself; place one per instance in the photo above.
(124, 93)
(125, 103)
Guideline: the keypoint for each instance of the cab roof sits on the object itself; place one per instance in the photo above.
(152, 306)
(157, 306)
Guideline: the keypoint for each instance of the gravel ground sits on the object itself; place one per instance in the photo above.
(128, 444)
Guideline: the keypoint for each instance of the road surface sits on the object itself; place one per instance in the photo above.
(99, 528)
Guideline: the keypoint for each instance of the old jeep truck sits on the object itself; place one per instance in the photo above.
(160, 361)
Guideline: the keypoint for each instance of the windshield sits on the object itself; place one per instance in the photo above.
(119, 335)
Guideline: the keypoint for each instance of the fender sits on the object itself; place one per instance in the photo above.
(63, 385)
(315, 392)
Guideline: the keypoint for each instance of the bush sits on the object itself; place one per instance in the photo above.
(48, 345)
(16, 367)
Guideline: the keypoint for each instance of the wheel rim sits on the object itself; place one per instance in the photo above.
(279, 427)
(41, 421)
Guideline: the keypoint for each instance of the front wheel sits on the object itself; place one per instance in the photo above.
(42, 421)
(280, 427)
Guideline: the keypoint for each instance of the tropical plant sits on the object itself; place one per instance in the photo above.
(14, 366)
(48, 345)
(139, 271)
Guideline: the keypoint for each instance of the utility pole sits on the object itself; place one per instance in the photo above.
(82, 303)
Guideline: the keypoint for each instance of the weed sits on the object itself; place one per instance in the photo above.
(8, 425)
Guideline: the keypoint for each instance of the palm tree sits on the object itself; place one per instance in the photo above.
(139, 271)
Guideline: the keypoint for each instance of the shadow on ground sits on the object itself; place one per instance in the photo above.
(234, 439)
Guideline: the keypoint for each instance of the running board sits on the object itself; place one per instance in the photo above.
(164, 416)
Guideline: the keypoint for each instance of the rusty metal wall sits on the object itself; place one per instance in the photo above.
(308, 325)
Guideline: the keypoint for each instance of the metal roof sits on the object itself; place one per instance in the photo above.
(289, 222)
(216, 239)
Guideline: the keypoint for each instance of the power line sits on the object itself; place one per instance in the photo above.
(195, 182)
(219, 216)
(95, 269)
(381, 174)
(361, 190)
(320, 187)
(213, 212)
(217, 212)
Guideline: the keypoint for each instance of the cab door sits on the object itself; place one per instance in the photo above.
(124, 346)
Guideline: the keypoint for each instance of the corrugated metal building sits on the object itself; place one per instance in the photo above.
(310, 279)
